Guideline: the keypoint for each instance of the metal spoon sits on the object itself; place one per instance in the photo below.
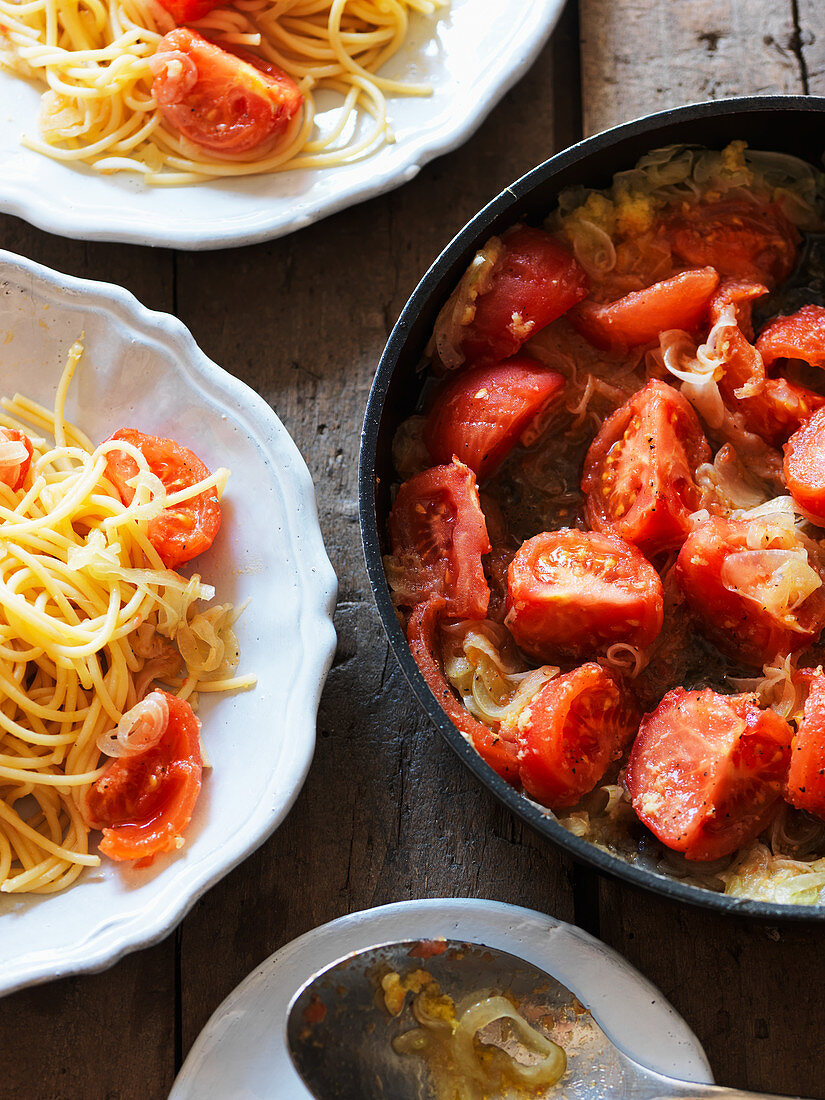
(340, 1034)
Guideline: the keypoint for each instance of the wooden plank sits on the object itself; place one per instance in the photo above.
(639, 56)
(387, 812)
(743, 987)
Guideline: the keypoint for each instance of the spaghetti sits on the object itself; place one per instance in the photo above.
(100, 109)
(89, 619)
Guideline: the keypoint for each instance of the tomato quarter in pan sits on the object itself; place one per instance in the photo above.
(804, 466)
(806, 775)
(481, 413)
(799, 336)
(640, 471)
(570, 733)
(578, 592)
(706, 770)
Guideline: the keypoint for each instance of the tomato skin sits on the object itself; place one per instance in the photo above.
(806, 776)
(187, 529)
(535, 281)
(570, 733)
(143, 803)
(741, 237)
(639, 473)
(799, 336)
(228, 103)
(804, 466)
(480, 414)
(741, 294)
(421, 635)
(14, 476)
(639, 317)
(738, 622)
(574, 593)
(438, 533)
(706, 770)
(189, 11)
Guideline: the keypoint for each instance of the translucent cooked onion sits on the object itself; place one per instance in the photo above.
(139, 729)
(592, 247)
(546, 1071)
(460, 308)
(12, 453)
(726, 485)
(777, 580)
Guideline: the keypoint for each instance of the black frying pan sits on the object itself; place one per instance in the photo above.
(788, 124)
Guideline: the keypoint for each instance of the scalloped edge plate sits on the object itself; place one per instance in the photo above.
(143, 369)
(472, 54)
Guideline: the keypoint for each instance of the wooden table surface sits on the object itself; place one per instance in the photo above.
(387, 812)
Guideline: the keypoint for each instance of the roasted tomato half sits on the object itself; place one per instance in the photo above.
(438, 536)
(571, 732)
(806, 775)
(639, 317)
(481, 413)
(804, 466)
(578, 592)
(706, 770)
(640, 471)
(422, 634)
(535, 281)
(752, 588)
(740, 237)
(228, 103)
(800, 336)
(144, 802)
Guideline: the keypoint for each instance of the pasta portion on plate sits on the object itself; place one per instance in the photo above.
(94, 618)
(187, 90)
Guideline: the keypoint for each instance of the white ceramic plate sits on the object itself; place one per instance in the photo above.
(472, 54)
(143, 369)
(241, 1054)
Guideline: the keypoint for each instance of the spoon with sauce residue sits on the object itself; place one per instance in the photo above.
(340, 1033)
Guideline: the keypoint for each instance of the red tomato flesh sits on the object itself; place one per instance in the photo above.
(741, 294)
(577, 592)
(481, 413)
(228, 103)
(806, 775)
(13, 473)
(421, 635)
(640, 471)
(188, 11)
(741, 579)
(535, 281)
(741, 237)
(438, 534)
(143, 803)
(184, 530)
(570, 733)
(706, 770)
(639, 317)
(800, 336)
(804, 466)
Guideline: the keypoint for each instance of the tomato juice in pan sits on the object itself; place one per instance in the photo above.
(606, 542)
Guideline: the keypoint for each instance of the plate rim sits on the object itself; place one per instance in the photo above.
(317, 587)
(56, 216)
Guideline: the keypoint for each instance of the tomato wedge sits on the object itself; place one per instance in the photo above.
(570, 733)
(806, 775)
(577, 592)
(188, 11)
(481, 413)
(183, 530)
(639, 317)
(143, 803)
(535, 281)
(740, 236)
(799, 336)
(15, 458)
(752, 587)
(741, 294)
(804, 466)
(640, 471)
(228, 103)
(706, 770)
(421, 635)
(438, 536)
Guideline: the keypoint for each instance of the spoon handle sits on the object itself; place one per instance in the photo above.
(716, 1092)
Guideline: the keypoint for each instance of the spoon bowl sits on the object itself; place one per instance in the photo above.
(340, 1032)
